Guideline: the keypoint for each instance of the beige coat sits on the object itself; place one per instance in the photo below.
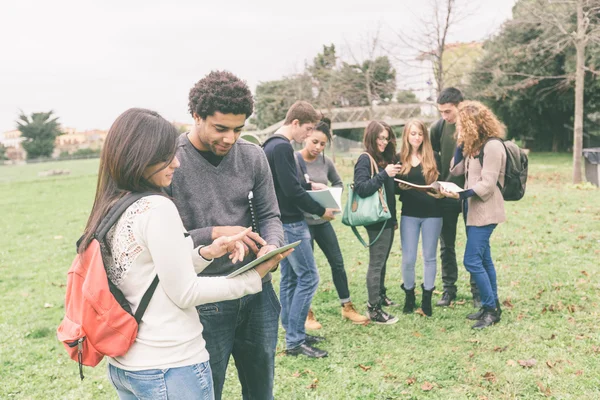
(487, 206)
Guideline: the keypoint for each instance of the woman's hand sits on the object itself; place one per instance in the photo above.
(436, 195)
(446, 193)
(404, 186)
(227, 244)
(271, 263)
(393, 169)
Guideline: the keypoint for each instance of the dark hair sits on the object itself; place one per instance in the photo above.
(304, 112)
(450, 95)
(220, 91)
(324, 126)
(136, 140)
(372, 131)
(392, 137)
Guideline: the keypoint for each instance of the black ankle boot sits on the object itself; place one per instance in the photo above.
(477, 315)
(426, 301)
(409, 302)
(489, 317)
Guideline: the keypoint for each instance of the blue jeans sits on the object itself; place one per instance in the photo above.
(191, 382)
(478, 261)
(327, 240)
(299, 281)
(247, 329)
(430, 229)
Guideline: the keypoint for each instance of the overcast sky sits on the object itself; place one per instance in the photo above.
(91, 60)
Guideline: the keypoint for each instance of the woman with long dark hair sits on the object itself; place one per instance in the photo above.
(168, 357)
(320, 169)
(421, 214)
(379, 147)
(478, 130)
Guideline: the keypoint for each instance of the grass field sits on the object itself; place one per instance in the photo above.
(547, 256)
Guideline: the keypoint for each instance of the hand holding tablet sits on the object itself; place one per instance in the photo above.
(273, 257)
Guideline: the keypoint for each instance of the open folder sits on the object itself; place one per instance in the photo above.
(328, 198)
(262, 259)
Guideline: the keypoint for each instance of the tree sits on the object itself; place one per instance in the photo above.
(274, 98)
(40, 131)
(2, 152)
(429, 43)
(406, 97)
(556, 51)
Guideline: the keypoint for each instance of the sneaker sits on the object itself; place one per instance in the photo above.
(385, 301)
(350, 313)
(311, 339)
(306, 350)
(377, 315)
(446, 300)
(311, 323)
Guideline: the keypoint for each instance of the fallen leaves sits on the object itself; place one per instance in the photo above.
(585, 273)
(490, 377)
(364, 367)
(460, 302)
(506, 303)
(411, 380)
(544, 390)
(499, 349)
(420, 312)
(528, 363)
(550, 364)
(314, 384)
(426, 386)
(511, 363)
(417, 334)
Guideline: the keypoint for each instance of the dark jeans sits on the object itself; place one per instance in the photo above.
(327, 240)
(478, 261)
(378, 256)
(448, 252)
(247, 329)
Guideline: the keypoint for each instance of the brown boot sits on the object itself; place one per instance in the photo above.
(349, 312)
(311, 323)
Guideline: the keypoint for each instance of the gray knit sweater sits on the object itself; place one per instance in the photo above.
(208, 196)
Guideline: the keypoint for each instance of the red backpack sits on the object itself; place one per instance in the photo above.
(98, 319)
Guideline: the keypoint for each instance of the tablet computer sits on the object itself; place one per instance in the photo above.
(262, 259)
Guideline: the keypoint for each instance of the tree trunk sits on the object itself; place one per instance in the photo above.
(579, 85)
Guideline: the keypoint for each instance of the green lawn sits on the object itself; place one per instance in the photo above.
(547, 256)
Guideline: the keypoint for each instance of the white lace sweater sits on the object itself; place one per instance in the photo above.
(149, 240)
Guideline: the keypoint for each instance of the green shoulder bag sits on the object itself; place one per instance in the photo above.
(365, 211)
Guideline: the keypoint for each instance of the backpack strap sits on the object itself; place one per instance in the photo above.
(107, 222)
(480, 156)
(117, 210)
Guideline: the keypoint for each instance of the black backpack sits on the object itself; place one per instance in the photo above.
(515, 177)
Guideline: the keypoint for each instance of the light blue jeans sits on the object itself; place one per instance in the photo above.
(299, 281)
(430, 229)
(183, 383)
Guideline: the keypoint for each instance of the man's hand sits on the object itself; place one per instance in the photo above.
(404, 186)
(250, 240)
(329, 214)
(227, 244)
(318, 186)
(272, 263)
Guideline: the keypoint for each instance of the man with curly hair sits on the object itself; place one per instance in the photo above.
(211, 188)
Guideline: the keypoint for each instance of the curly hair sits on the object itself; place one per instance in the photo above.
(220, 91)
(475, 124)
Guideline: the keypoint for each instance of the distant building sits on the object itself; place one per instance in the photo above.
(72, 140)
(12, 140)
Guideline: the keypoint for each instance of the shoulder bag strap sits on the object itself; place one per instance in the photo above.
(380, 190)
